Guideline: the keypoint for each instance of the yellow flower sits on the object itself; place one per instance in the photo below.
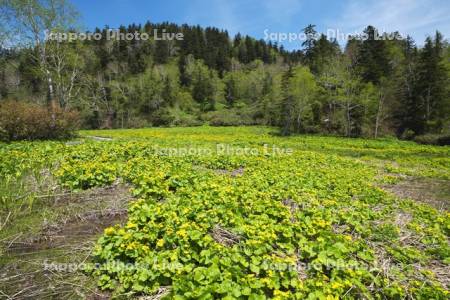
(336, 285)
(132, 246)
(131, 225)
(109, 231)
(321, 223)
(265, 280)
(182, 233)
(160, 243)
(280, 295)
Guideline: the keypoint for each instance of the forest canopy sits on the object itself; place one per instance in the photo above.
(372, 87)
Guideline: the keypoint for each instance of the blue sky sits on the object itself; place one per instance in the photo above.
(255, 17)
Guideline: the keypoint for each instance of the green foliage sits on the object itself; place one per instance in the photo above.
(433, 139)
(86, 175)
(172, 237)
(299, 95)
(374, 87)
(310, 224)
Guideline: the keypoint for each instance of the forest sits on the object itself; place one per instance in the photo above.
(368, 87)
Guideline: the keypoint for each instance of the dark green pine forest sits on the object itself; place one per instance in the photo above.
(367, 88)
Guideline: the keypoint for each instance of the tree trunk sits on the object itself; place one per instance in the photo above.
(379, 112)
(52, 106)
(348, 119)
(108, 120)
(51, 102)
(427, 100)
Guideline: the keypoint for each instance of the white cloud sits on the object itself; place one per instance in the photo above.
(414, 17)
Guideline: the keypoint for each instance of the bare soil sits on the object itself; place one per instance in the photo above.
(47, 265)
(434, 192)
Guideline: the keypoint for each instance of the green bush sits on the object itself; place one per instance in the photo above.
(4, 135)
(27, 121)
(433, 139)
(408, 134)
(181, 118)
(444, 140)
(228, 117)
(426, 139)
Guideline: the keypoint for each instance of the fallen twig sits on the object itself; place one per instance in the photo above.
(6, 221)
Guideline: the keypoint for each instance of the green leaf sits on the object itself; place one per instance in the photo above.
(254, 268)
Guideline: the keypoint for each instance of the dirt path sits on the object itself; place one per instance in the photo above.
(431, 191)
(47, 265)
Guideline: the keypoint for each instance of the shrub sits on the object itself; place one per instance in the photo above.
(444, 140)
(175, 117)
(3, 135)
(426, 139)
(137, 122)
(27, 121)
(228, 117)
(408, 134)
(433, 139)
